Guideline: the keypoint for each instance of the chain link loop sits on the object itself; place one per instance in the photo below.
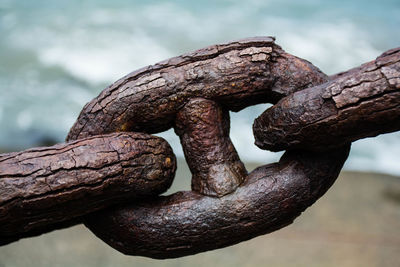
(315, 117)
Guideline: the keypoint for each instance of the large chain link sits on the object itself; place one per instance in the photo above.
(42, 188)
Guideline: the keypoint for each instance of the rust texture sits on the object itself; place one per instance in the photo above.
(43, 187)
(359, 103)
(194, 93)
(203, 127)
(185, 223)
(227, 77)
(236, 75)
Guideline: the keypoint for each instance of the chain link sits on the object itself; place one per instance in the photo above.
(315, 117)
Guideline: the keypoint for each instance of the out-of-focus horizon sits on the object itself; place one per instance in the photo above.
(57, 55)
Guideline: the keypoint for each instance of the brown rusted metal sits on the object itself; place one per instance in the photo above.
(203, 127)
(41, 188)
(186, 223)
(194, 93)
(359, 103)
(235, 75)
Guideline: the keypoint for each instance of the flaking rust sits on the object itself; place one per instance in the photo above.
(225, 205)
(225, 77)
(42, 189)
(194, 93)
(148, 100)
(203, 127)
(362, 102)
(186, 223)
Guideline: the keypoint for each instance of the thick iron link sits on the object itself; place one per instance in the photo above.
(193, 93)
(359, 103)
(185, 223)
(43, 189)
(316, 118)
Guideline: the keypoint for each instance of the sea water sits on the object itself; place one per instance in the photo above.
(57, 55)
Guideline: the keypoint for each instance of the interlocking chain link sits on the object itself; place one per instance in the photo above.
(316, 118)
(359, 103)
(43, 189)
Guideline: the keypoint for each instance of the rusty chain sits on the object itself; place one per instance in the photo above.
(111, 158)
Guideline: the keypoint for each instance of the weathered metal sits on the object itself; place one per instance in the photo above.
(194, 93)
(316, 118)
(42, 188)
(226, 77)
(362, 102)
(185, 223)
(235, 75)
(203, 127)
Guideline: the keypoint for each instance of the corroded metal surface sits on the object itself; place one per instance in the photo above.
(186, 223)
(236, 75)
(359, 103)
(42, 187)
(227, 77)
(194, 93)
(203, 127)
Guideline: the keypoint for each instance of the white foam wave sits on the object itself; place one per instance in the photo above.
(89, 51)
(49, 111)
(333, 47)
(106, 62)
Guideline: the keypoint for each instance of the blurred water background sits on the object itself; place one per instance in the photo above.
(57, 55)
